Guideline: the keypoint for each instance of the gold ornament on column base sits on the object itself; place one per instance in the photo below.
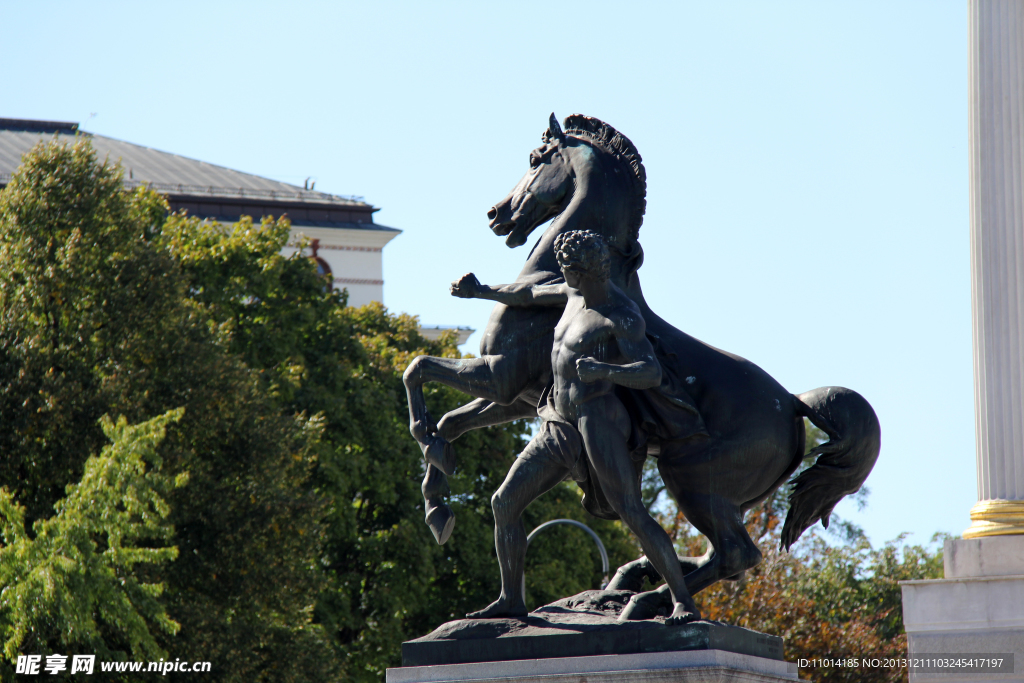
(996, 518)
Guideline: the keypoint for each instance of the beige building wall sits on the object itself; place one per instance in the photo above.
(354, 256)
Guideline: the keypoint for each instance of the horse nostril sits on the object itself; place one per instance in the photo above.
(491, 213)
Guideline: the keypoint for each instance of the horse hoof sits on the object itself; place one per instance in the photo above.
(440, 454)
(441, 521)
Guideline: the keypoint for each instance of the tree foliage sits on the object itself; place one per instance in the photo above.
(73, 580)
(98, 319)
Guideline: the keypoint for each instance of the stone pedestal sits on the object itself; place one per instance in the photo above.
(978, 608)
(702, 666)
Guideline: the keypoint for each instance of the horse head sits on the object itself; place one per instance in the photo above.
(540, 195)
(589, 172)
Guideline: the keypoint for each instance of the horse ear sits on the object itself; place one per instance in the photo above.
(555, 130)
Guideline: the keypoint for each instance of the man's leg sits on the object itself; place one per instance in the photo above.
(540, 467)
(604, 426)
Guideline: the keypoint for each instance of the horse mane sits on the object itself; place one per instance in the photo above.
(602, 135)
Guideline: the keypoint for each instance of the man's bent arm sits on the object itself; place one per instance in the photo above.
(644, 370)
(643, 374)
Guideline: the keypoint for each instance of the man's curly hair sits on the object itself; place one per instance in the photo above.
(584, 252)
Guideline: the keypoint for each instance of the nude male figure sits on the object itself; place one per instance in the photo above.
(599, 342)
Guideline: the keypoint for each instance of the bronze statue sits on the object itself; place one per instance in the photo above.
(599, 345)
(726, 435)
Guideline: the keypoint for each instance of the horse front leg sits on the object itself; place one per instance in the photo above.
(474, 415)
(478, 413)
(491, 378)
(497, 381)
(481, 413)
(439, 516)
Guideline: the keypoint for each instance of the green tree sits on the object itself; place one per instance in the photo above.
(97, 319)
(72, 582)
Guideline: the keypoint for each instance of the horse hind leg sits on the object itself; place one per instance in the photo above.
(630, 576)
(649, 604)
(732, 550)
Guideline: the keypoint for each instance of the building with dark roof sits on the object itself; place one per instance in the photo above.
(345, 241)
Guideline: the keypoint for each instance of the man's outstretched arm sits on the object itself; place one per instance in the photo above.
(641, 369)
(469, 287)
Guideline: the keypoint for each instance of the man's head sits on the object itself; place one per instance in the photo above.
(583, 253)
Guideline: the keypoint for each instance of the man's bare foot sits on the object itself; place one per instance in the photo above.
(502, 607)
(439, 453)
(683, 615)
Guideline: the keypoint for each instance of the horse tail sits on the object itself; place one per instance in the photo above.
(843, 462)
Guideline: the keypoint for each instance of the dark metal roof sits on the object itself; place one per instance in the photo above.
(32, 125)
(168, 173)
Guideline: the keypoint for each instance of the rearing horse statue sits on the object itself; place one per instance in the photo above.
(725, 433)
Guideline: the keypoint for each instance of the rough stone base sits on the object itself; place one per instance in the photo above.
(701, 666)
(584, 625)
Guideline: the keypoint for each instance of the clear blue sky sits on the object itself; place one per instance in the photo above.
(807, 165)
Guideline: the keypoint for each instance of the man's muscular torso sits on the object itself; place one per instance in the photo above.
(589, 332)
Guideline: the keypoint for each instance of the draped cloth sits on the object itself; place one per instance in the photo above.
(663, 414)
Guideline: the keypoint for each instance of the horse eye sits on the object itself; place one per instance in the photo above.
(534, 160)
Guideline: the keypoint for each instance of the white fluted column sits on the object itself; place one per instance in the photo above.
(996, 96)
(976, 607)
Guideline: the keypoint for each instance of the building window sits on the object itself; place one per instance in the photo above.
(322, 267)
